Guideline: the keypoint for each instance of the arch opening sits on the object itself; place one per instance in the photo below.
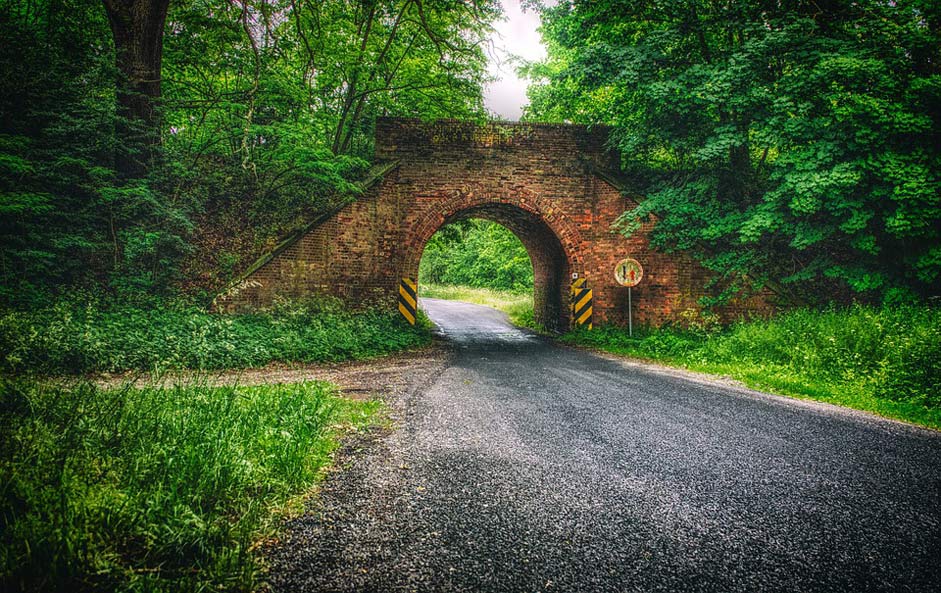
(550, 264)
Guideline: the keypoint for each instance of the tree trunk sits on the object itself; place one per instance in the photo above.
(137, 27)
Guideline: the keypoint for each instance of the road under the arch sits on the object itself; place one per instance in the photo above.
(525, 466)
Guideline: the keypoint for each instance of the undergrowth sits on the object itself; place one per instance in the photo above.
(154, 489)
(883, 360)
(74, 337)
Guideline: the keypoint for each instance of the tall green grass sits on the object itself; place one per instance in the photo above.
(884, 360)
(156, 489)
(70, 337)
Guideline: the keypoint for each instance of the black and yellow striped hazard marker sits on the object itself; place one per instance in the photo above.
(581, 303)
(576, 285)
(408, 300)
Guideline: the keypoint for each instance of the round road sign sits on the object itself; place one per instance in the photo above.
(628, 272)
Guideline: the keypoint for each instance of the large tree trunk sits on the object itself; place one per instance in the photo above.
(137, 27)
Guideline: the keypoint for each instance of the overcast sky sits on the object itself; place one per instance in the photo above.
(515, 36)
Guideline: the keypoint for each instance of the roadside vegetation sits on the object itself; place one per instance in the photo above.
(157, 488)
(518, 306)
(90, 337)
(482, 262)
(882, 360)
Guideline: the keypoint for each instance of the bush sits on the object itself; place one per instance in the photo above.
(912, 367)
(156, 489)
(71, 338)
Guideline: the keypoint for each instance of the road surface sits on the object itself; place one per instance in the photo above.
(525, 466)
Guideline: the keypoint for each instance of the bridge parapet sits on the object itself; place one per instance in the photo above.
(563, 146)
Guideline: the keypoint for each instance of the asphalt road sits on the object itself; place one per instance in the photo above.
(524, 466)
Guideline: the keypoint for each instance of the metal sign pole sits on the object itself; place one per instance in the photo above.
(630, 315)
(628, 272)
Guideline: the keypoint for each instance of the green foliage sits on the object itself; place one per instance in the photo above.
(266, 120)
(477, 253)
(270, 106)
(886, 360)
(65, 218)
(795, 143)
(75, 337)
(154, 489)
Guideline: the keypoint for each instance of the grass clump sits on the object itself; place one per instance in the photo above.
(517, 305)
(154, 489)
(69, 337)
(883, 360)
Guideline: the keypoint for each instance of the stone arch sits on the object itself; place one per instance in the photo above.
(549, 238)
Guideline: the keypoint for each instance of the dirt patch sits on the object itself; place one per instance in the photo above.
(359, 379)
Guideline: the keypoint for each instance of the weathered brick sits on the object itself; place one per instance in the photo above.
(540, 181)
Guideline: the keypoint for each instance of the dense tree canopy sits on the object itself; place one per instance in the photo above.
(793, 143)
(262, 115)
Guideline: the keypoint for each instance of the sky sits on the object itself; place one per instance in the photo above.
(515, 36)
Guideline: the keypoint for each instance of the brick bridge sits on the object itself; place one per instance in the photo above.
(554, 186)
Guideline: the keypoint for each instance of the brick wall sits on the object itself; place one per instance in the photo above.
(535, 179)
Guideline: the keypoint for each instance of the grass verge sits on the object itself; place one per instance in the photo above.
(517, 306)
(72, 337)
(886, 361)
(155, 489)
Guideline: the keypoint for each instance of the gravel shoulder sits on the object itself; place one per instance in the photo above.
(351, 526)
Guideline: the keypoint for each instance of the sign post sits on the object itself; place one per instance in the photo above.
(628, 272)
(630, 315)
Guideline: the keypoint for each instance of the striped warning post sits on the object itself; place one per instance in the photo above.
(408, 299)
(581, 303)
(576, 285)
